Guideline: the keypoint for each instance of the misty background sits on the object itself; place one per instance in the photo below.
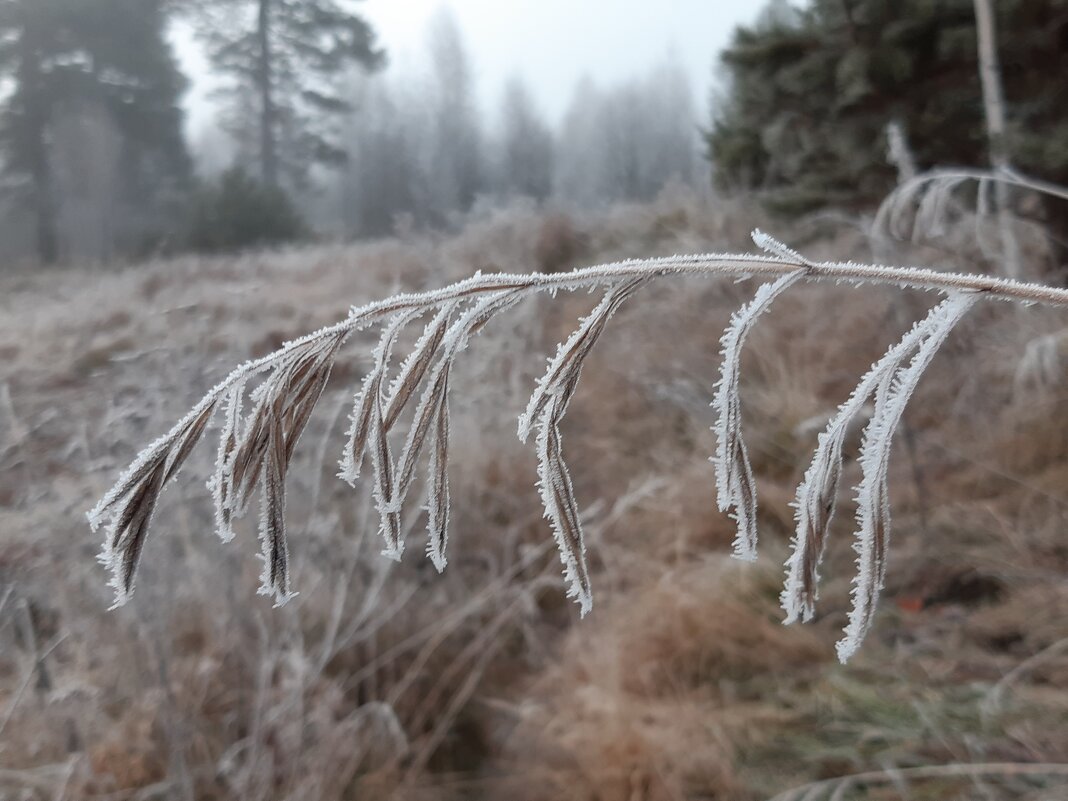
(226, 124)
(189, 185)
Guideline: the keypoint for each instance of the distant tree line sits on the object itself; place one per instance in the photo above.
(95, 164)
(420, 153)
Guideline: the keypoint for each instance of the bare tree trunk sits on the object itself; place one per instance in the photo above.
(44, 205)
(35, 125)
(994, 107)
(268, 143)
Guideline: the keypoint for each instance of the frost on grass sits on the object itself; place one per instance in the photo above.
(735, 487)
(264, 406)
(873, 503)
(818, 493)
(546, 408)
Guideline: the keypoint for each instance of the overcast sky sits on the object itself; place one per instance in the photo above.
(551, 43)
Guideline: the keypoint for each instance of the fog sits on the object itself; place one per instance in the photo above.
(551, 44)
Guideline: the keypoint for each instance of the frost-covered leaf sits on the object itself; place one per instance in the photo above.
(873, 512)
(561, 508)
(221, 484)
(565, 367)
(274, 548)
(735, 488)
(360, 421)
(417, 363)
(438, 483)
(817, 494)
(384, 487)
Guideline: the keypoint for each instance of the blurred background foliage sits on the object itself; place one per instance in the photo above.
(811, 91)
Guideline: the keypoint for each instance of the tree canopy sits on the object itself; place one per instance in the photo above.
(284, 57)
(811, 92)
(105, 64)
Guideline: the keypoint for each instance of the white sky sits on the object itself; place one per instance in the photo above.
(551, 43)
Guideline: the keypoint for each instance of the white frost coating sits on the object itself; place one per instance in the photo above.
(873, 519)
(456, 336)
(431, 337)
(359, 419)
(816, 495)
(368, 411)
(558, 499)
(734, 480)
(772, 245)
(438, 484)
(111, 555)
(274, 548)
(546, 408)
(105, 507)
(431, 416)
(422, 422)
(745, 508)
(570, 354)
(384, 491)
(221, 483)
(453, 342)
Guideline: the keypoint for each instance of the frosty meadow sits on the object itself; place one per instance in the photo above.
(255, 447)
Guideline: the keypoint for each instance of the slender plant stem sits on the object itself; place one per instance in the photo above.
(726, 265)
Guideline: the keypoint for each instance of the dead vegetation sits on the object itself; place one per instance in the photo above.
(384, 680)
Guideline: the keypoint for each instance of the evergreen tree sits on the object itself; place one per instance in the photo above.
(284, 56)
(456, 173)
(62, 56)
(811, 92)
(526, 158)
(384, 182)
(239, 212)
(626, 142)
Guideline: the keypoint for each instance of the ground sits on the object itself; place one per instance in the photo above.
(385, 680)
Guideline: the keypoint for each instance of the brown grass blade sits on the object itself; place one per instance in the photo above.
(362, 418)
(561, 508)
(129, 530)
(274, 580)
(385, 486)
(570, 355)
(221, 485)
(417, 364)
(438, 484)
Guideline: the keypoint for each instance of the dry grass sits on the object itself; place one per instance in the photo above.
(383, 680)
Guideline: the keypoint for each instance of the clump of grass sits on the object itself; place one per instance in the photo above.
(256, 446)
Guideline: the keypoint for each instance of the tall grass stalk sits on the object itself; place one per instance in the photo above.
(257, 445)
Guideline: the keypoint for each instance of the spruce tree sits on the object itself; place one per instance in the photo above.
(110, 55)
(810, 93)
(283, 57)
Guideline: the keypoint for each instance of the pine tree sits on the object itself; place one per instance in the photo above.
(811, 93)
(284, 56)
(65, 56)
(526, 158)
